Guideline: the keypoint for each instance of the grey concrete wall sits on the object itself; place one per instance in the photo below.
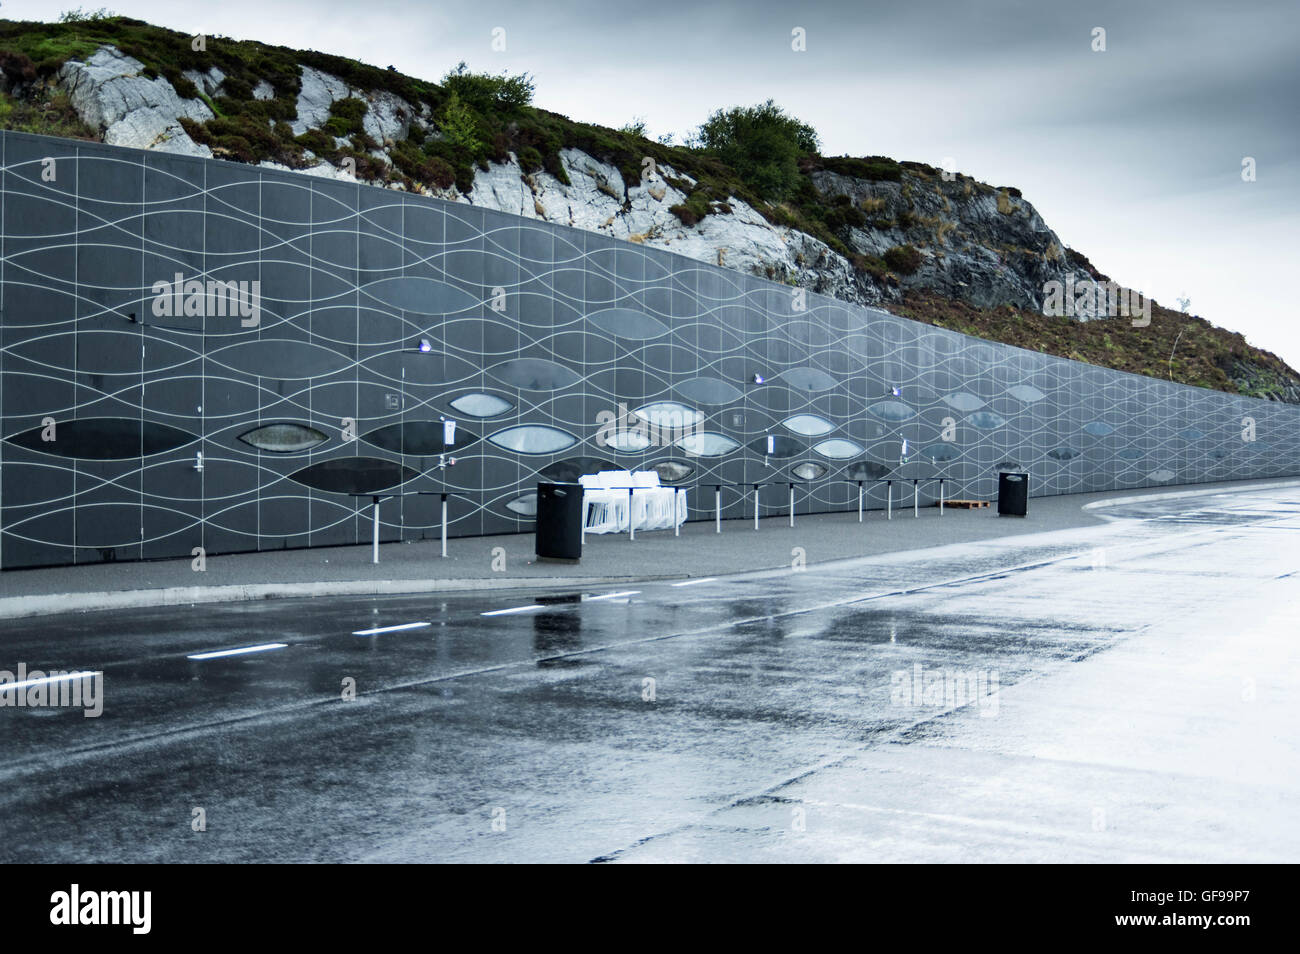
(352, 277)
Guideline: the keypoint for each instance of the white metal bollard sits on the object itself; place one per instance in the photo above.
(374, 555)
(717, 509)
(444, 525)
(916, 512)
(756, 506)
(889, 506)
(859, 501)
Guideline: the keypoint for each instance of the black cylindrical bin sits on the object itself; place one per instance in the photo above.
(559, 522)
(1013, 495)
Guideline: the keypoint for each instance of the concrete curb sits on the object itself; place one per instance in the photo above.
(1178, 494)
(18, 607)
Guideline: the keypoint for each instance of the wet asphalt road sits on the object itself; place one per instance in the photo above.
(1145, 710)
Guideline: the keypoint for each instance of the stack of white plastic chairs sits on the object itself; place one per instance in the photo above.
(605, 510)
(608, 507)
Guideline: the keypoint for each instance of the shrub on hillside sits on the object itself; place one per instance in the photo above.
(762, 144)
(486, 93)
(903, 259)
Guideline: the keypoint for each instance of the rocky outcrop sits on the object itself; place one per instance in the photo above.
(599, 200)
(112, 94)
(387, 119)
(984, 246)
(319, 91)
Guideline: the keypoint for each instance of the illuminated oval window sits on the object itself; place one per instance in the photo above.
(707, 445)
(1098, 428)
(1008, 465)
(810, 425)
(1129, 453)
(534, 374)
(807, 379)
(1026, 392)
(525, 506)
(986, 420)
(671, 471)
(104, 438)
(1191, 434)
(568, 471)
(283, 438)
(941, 451)
(533, 439)
(809, 471)
(891, 411)
(626, 442)
(1160, 476)
(419, 438)
(781, 446)
(837, 448)
(354, 475)
(709, 391)
(1063, 453)
(963, 401)
(481, 405)
(669, 414)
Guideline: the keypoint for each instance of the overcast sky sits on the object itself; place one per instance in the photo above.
(1133, 155)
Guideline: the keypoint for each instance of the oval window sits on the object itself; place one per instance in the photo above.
(283, 438)
(837, 448)
(533, 439)
(707, 445)
(481, 405)
(810, 425)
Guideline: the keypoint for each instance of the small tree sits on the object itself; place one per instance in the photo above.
(762, 143)
(460, 126)
(487, 93)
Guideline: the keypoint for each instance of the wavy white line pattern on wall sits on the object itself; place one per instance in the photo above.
(352, 279)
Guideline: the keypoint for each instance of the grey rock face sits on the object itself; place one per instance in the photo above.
(209, 82)
(978, 245)
(318, 93)
(388, 117)
(111, 94)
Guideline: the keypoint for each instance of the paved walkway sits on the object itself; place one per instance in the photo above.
(475, 563)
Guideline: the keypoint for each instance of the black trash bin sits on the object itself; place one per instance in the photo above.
(559, 522)
(1013, 495)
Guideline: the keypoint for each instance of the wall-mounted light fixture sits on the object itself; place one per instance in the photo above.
(758, 378)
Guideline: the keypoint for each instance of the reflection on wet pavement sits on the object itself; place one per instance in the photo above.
(839, 712)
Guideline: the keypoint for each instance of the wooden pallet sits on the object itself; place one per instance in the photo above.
(964, 504)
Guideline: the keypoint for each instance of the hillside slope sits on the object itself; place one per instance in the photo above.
(941, 248)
